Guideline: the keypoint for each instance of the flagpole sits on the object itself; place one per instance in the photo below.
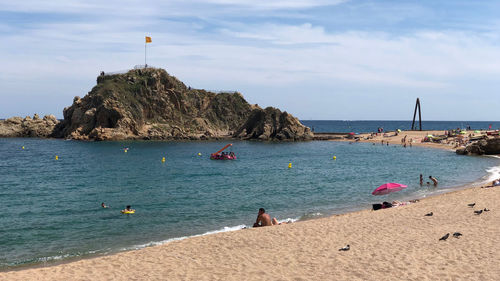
(145, 63)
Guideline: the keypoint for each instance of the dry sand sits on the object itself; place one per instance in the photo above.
(416, 136)
(391, 244)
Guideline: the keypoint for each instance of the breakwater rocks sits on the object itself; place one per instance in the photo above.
(272, 124)
(151, 104)
(488, 146)
(28, 126)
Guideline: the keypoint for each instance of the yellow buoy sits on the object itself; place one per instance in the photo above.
(289, 165)
(163, 160)
(199, 154)
(334, 157)
(23, 147)
(57, 157)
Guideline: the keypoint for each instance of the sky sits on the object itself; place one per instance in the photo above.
(316, 59)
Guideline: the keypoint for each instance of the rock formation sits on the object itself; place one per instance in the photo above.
(151, 104)
(28, 127)
(272, 124)
(485, 146)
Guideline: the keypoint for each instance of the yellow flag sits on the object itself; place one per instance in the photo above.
(148, 39)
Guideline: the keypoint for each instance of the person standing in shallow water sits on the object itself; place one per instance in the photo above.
(434, 180)
(421, 180)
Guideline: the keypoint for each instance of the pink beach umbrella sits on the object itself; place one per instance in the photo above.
(387, 188)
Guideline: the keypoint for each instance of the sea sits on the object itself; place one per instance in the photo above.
(51, 209)
(363, 126)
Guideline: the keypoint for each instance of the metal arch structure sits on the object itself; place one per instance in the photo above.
(417, 105)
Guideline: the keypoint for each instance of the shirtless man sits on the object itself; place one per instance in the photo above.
(263, 219)
(434, 180)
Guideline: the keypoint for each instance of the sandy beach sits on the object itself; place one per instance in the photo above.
(415, 137)
(391, 244)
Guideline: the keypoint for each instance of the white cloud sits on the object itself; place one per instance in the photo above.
(221, 53)
(278, 4)
(134, 8)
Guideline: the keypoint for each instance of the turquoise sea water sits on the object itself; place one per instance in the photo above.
(51, 208)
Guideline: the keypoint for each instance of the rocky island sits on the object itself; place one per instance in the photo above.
(150, 104)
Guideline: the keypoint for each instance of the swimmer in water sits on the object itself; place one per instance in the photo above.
(104, 205)
(128, 209)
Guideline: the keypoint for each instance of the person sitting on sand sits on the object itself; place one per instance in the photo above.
(434, 180)
(103, 205)
(263, 219)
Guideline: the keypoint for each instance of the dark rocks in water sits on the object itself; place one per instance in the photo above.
(28, 127)
(151, 104)
(272, 124)
(487, 146)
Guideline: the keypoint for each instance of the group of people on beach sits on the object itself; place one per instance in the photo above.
(403, 141)
(433, 179)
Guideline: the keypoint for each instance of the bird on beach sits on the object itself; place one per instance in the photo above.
(471, 205)
(457, 234)
(486, 210)
(429, 214)
(444, 237)
(346, 248)
(478, 212)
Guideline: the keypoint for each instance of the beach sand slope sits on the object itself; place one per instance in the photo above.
(391, 244)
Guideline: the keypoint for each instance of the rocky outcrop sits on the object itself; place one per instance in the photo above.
(28, 127)
(488, 146)
(151, 104)
(272, 124)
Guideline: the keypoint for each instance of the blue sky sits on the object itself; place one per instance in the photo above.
(317, 59)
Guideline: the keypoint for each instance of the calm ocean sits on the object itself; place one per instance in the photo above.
(51, 208)
(345, 126)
